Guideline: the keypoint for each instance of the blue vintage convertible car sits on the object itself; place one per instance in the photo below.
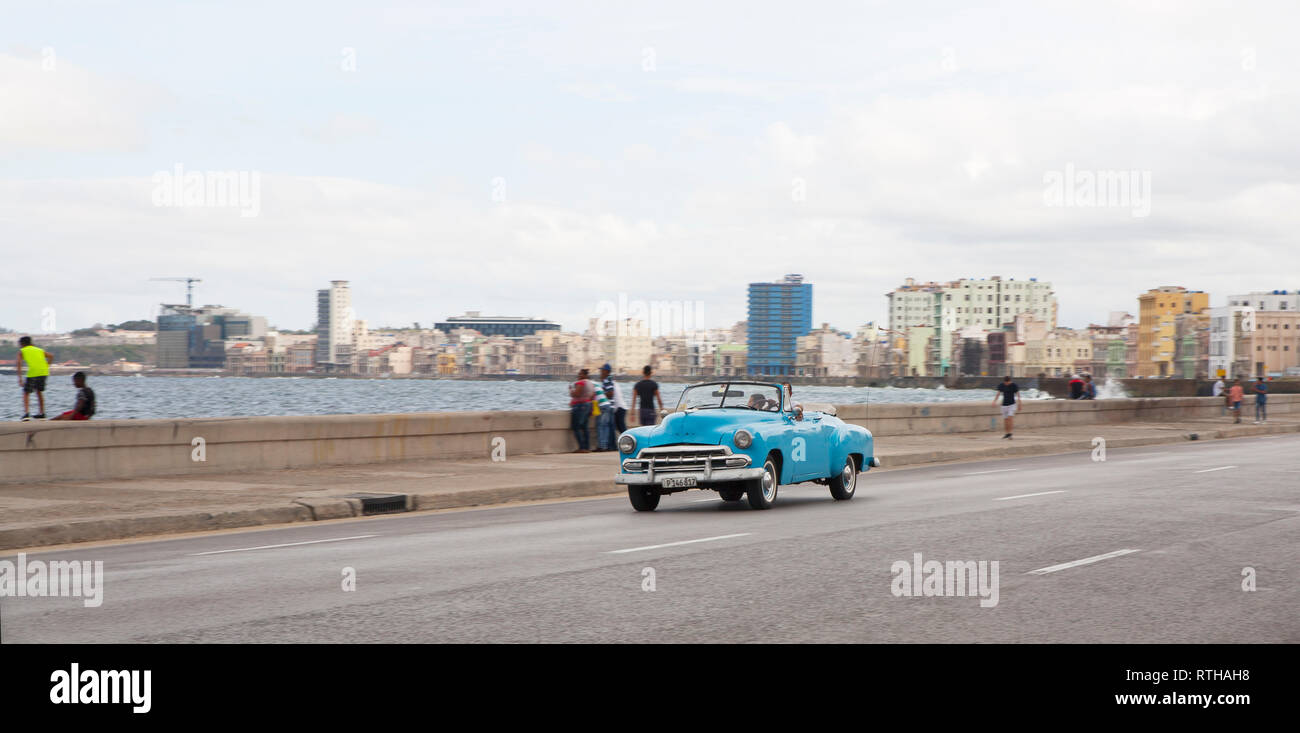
(742, 439)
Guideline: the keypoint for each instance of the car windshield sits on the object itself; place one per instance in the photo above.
(740, 396)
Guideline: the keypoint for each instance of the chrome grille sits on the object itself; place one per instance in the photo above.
(689, 459)
(668, 458)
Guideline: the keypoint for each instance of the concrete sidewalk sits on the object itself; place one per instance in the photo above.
(33, 515)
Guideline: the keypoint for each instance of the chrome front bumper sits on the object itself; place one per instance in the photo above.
(716, 476)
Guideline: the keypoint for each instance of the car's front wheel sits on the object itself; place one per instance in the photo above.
(846, 482)
(643, 498)
(762, 491)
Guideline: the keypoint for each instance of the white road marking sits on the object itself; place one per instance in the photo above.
(1220, 468)
(287, 544)
(1000, 470)
(1026, 496)
(1077, 563)
(697, 501)
(674, 544)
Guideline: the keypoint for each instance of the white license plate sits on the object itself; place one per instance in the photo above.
(681, 482)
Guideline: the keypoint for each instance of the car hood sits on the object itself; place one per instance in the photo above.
(707, 426)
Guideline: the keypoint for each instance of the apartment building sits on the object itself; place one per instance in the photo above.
(779, 313)
(1158, 327)
(825, 352)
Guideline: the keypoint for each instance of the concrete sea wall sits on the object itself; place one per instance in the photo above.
(44, 451)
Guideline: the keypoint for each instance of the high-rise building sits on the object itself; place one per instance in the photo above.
(948, 307)
(196, 337)
(334, 316)
(779, 313)
(913, 304)
(1158, 327)
(174, 324)
(993, 302)
(1268, 300)
(1254, 334)
(989, 304)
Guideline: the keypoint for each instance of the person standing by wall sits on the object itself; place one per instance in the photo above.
(581, 393)
(646, 392)
(1261, 400)
(1089, 389)
(1217, 391)
(617, 423)
(605, 424)
(1235, 395)
(37, 363)
(1009, 391)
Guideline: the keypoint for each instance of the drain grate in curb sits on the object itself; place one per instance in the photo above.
(381, 503)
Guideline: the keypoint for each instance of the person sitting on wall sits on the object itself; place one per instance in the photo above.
(1076, 388)
(85, 406)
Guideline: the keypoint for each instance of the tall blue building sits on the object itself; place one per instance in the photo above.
(779, 313)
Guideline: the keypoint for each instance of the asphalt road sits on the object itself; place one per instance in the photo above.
(1192, 517)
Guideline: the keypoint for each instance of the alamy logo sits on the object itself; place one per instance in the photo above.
(960, 578)
(93, 686)
(59, 578)
(209, 189)
(1074, 188)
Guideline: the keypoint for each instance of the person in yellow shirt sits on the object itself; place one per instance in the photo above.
(37, 361)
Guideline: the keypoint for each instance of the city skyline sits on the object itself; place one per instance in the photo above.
(601, 309)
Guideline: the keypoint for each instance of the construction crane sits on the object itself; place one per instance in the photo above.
(189, 287)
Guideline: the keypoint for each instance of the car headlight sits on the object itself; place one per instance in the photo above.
(743, 439)
(626, 443)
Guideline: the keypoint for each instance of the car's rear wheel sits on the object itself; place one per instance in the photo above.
(643, 498)
(762, 491)
(846, 482)
(731, 494)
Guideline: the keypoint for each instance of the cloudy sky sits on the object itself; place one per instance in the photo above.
(540, 159)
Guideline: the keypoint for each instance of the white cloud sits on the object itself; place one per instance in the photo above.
(681, 190)
(343, 128)
(598, 91)
(53, 104)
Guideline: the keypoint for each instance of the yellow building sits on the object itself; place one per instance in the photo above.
(1157, 326)
(446, 364)
(918, 350)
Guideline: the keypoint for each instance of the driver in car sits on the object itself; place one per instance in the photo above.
(757, 402)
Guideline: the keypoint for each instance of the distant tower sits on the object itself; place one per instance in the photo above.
(334, 318)
(779, 313)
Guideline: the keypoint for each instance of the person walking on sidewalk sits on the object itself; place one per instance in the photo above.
(37, 361)
(1010, 393)
(647, 392)
(1261, 400)
(1235, 395)
(581, 393)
